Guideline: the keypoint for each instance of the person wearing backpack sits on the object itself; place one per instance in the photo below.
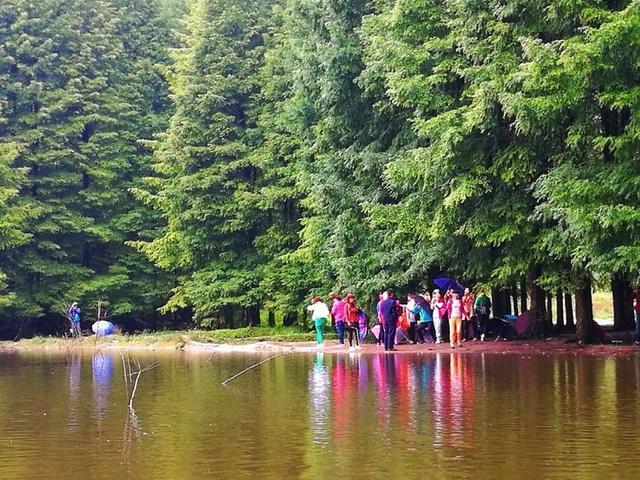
(482, 309)
(74, 317)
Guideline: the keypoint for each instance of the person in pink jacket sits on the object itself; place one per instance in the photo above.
(337, 312)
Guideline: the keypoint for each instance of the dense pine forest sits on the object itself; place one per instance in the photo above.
(214, 162)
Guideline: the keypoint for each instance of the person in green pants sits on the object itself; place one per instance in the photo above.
(319, 314)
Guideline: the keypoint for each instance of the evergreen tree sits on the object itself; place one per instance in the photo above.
(578, 94)
(209, 185)
(12, 214)
(68, 104)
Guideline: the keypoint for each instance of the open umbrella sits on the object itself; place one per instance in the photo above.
(420, 301)
(446, 283)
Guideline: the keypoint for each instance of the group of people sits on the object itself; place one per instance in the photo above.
(467, 315)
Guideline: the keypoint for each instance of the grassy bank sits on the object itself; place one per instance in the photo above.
(178, 338)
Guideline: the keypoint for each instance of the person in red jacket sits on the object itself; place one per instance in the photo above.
(351, 311)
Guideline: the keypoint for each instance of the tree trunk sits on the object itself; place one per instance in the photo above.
(252, 316)
(289, 319)
(537, 304)
(568, 307)
(272, 318)
(500, 302)
(622, 303)
(559, 311)
(228, 317)
(548, 320)
(584, 313)
(523, 295)
(514, 295)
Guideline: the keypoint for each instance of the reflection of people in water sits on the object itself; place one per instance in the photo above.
(379, 376)
(342, 402)
(74, 370)
(103, 367)
(319, 398)
(452, 397)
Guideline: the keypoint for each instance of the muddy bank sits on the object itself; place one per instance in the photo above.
(554, 346)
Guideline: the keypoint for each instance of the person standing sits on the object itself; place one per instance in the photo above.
(389, 311)
(353, 323)
(411, 318)
(437, 309)
(319, 315)
(636, 305)
(337, 312)
(467, 314)
(74, 315)
(454, 311)
(482, 308)
(380, 340)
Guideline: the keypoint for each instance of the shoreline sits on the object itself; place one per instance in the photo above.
(553, 346)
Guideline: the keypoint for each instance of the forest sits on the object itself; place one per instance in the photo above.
(213, 163)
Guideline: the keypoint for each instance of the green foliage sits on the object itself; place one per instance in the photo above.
(208, 188)
(217, 157)
(79, 86)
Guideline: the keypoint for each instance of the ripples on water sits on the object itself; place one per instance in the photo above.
(321, 416)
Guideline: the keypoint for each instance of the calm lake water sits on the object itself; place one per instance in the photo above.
(484, 416)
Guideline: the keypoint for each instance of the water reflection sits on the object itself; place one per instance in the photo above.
(349, 416)
(74, 371)
(320, 400)
(453, 403)
(103, 368)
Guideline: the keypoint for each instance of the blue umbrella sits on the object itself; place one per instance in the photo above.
(445, 283)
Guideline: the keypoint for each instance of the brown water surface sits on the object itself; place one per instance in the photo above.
(437, 416)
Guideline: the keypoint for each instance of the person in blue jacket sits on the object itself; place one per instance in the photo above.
(420, 308)
(74, 318)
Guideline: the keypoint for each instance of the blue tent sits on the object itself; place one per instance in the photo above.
(103, 328)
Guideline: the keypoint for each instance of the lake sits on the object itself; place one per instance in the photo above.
(440, 416)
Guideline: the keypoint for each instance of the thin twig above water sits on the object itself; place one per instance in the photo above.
(254, 366)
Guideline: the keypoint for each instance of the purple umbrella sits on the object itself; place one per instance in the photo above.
(446, 283)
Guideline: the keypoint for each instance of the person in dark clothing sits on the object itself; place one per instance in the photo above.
(482, 308)
(389, 312)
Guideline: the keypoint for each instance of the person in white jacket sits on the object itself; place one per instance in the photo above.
(436, 305)
(319, 315)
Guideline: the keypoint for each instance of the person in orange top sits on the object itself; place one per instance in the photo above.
(467, 314)
(351, 317)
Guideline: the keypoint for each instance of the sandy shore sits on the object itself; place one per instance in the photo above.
(554, 346)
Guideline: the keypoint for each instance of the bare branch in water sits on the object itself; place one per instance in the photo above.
(131, 384)
(253, 366)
